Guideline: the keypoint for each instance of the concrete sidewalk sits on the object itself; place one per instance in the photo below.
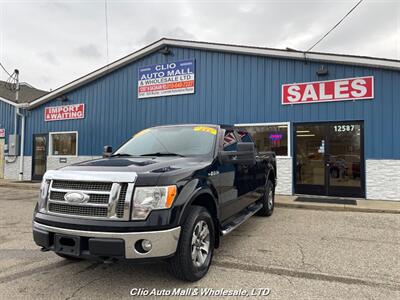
(375, 206)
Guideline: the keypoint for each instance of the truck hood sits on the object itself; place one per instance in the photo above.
(138, 165)
(143, 170)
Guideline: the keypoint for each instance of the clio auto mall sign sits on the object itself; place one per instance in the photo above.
(64, 112)
(328, 91)
(173, 78)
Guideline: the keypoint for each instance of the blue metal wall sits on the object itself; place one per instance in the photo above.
(7, 113)
(230, 88)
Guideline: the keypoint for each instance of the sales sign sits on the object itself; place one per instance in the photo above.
(65, 112)
(174, 78)
(328, 91)
(2, 133)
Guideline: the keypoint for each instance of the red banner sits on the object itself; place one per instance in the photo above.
(327, 91)
(2, 133)
(65, 112)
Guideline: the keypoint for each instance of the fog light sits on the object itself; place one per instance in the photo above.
(143, 246)
(146, 245)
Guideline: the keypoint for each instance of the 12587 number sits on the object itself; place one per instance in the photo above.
(344, 128)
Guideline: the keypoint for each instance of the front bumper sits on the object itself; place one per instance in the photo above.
(110, 244)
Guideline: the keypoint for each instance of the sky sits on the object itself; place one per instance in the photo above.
(55, 42)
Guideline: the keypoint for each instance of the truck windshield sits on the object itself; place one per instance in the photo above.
(173, 140)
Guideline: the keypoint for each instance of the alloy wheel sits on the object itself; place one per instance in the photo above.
(200, 243)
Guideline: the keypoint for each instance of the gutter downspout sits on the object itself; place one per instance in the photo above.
(15, 119)
(22, 146)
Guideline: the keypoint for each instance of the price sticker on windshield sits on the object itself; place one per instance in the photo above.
(206, 129)
(140, 133)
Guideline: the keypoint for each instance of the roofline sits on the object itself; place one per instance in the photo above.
(238, 49)
(8, 101)
(17, 105)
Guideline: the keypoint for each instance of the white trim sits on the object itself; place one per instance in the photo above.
(8, 102)
(20, 105)
(51, 144)
(325, 57)
(289, 135)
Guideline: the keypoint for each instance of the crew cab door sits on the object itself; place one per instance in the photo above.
(253, 176)
(235, 180)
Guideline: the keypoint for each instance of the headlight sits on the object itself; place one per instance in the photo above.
(149, 198)
(44, 190)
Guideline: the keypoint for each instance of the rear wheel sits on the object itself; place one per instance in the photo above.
(268, 200)
(196, 246)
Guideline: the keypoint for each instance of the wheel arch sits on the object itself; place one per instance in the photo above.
(271, 176)
(207, 200)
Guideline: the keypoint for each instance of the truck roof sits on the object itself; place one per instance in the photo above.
(224, 126)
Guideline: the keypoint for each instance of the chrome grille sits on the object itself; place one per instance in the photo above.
(101, 200)
(82, 185)
(94, 198)
(67, 209)
(121, 201)
(59, 196)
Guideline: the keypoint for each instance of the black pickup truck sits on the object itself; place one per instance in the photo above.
(169, 192)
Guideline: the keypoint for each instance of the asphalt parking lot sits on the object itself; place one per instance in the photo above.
(296, 254)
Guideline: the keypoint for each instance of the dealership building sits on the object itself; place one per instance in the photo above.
(333, 120)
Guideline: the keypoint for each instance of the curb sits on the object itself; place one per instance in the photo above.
(338, 207)
(26, 185)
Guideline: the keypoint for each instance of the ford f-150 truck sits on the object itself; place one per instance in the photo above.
(169, 192)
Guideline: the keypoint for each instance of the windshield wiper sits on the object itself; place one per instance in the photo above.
(162, 154)
(121, 155)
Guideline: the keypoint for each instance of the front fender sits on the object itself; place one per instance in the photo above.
(192, 191)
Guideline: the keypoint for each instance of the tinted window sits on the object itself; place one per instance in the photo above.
(230, 141)
(244, 136)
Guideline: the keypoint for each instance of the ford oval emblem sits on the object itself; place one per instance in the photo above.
(76, 197)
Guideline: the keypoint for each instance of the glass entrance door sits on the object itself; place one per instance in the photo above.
(39, 158)
(329, 159)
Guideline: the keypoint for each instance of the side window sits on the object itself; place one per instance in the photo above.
(244, 136)
(230, 141)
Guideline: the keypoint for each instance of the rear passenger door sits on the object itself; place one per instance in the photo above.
(249, 176)
(227, 187)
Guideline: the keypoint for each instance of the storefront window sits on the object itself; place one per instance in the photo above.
(270, 138)
(63, 143)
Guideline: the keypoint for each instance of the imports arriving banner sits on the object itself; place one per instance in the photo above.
(2, 133)
(328, 91)
(65, 112)
(173, 78)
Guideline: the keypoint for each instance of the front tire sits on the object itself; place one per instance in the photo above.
(196, 246)
(267, 200)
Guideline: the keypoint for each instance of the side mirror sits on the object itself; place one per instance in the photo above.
(245, 154)
(107, 151)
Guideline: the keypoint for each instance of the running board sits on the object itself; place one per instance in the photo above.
(241, 217)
